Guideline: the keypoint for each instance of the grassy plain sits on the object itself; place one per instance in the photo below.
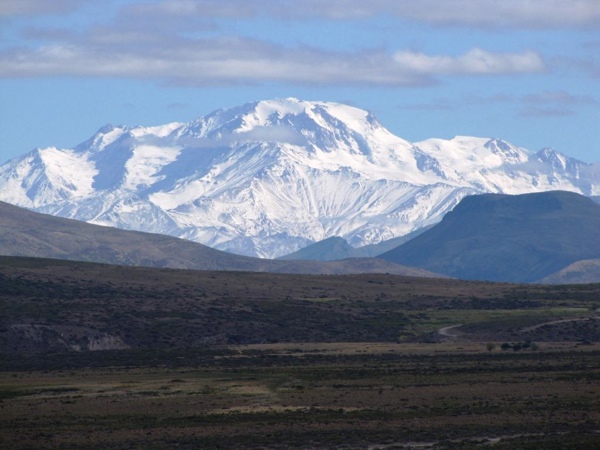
(241, 360)
(445, 395)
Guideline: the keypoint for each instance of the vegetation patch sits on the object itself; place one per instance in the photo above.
(242, 360)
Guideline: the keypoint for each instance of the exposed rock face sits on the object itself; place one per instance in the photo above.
(29, 338)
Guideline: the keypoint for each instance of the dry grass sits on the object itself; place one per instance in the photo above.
(321, 395)
(240, 360)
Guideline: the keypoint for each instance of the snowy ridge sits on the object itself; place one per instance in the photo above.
(267, 178)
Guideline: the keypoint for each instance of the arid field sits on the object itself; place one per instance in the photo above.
(99, 357)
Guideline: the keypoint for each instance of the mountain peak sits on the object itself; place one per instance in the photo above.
(313, 125)
(300, 112)
(108, 128)
(561, 163)
(269, 177)
(507, 151)
(105, 136)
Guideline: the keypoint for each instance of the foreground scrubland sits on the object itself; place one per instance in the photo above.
(318, 396)
(240, 360)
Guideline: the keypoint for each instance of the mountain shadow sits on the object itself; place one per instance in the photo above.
(520, 238)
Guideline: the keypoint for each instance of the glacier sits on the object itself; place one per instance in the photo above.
(267, 178)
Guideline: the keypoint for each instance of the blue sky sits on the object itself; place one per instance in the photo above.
(527, 71)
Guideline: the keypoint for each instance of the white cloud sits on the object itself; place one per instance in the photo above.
(554, 104)
(196, 8)
(474, 62)
(232, 60)
(539, 104)
(280, 133)
(504, 13)
(480, 13)
(36, 7)
(545, 111)
(559, 98)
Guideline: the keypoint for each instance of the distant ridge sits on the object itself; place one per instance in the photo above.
(330, 249)
(521, 238)
(31, 234)
(580, 272)
(337, 248)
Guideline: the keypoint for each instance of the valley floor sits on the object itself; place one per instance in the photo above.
(105, 357)
(337, 395)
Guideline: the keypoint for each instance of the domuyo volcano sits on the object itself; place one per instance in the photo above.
(267, 178)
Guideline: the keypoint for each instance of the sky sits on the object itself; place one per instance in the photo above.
(526, 71)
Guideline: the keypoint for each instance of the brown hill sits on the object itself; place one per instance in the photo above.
(27, 233)
(580, 272)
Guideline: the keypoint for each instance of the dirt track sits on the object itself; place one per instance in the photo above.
(449, 331)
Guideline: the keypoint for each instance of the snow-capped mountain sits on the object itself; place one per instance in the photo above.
(267, 178)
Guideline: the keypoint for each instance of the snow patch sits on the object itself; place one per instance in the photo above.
(68, 171)
(145, 164)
